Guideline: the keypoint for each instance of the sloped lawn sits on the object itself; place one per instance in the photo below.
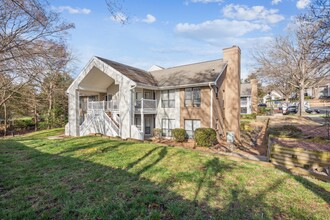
(99, 178)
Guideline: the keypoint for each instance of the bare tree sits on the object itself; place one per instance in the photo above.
(26, 28)
(295, 60)
(318, 16)
(115, 7)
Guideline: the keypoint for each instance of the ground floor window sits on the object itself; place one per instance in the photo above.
(243, 110)
(190, 125)
(167, 126)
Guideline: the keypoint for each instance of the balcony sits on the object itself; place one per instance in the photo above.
(146, 106)
(111, 106)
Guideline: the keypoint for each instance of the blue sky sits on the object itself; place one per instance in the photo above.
(173, 32)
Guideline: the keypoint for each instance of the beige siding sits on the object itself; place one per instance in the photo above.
(201, 113)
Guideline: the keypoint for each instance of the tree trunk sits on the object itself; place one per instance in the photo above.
(50, 107)
(35, 116)
(302, 99)
(5, 118)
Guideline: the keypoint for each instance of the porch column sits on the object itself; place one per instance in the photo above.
(74, 116)
(142, 119)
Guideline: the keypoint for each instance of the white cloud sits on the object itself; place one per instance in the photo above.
(275, 2)
(301, 4)
(73, 10)
(149, 19)
(119, 17)
(257, 13)
(206, 1)
(220, 28)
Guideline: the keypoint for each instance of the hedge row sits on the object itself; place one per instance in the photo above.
(204, 137)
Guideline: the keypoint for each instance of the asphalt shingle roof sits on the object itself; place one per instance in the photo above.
(195, 73)
(189, 74)
(135, 74)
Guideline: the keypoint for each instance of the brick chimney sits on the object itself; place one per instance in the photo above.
(254, 96)
(232, 103)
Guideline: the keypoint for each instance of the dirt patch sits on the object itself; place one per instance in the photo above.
(306, 144)
(308, 126)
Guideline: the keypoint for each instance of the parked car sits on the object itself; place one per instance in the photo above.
(262, 105)
(312, 111)
(289, 110)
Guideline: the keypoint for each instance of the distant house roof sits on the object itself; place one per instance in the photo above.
(196, 73)
(246, 89)
(155, 67)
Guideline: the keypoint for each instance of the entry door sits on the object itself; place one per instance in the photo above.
(147, 125)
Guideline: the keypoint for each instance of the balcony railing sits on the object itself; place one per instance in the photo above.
(146, 106)
(112, 105)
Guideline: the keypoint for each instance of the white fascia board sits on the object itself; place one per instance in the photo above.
(82, 72)
(220, 74)
(174, 87)
(91, 89)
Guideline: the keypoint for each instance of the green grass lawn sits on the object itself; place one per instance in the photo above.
(99, 178)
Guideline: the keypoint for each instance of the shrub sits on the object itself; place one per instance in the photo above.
(23, 123)
(42, 125)
(205, 137)
(157, 133)
(179, 134)
(263, 111)
(249, 116)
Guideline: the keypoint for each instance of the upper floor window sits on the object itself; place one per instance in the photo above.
(192, 97)
(168, 99)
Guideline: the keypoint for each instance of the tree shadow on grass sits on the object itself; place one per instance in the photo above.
(63, 187)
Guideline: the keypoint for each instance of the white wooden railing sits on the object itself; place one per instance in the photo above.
(146, 105)
(86, 123)
(111, 123)
(112, 105)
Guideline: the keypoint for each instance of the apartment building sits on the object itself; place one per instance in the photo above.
(119, 100)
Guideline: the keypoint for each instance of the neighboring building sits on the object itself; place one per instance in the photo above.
(271, 96)
(321, 89)
(249, 97)
(118, 100)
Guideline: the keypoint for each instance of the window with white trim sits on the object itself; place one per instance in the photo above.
(192, 97)
(168, 98)
(190, 125)
(167, 127)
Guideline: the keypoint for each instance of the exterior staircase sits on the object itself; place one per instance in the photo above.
(102, 122)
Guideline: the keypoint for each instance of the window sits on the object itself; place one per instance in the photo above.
(108, 97)
(92, 98)
(216, 90)
(167, 126)
(190, 126)
(192, 97)
(168, 99)
(244, 101)
(243, 110)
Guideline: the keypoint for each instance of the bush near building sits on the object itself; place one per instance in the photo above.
(179, 134)
(205, 137)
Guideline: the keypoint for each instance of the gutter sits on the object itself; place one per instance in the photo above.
(174, 87)
(211, 107)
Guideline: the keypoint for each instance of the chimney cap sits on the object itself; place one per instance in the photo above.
(234, 47)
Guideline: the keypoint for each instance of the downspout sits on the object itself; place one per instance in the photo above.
(131, 113)
(211, 107)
